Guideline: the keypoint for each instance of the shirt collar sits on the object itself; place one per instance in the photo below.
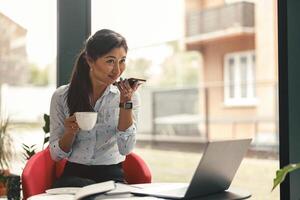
(112, 88)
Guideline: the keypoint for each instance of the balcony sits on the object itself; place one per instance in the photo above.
(226, 20)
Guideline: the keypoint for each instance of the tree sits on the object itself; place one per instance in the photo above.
(38, 77)
(181, 68)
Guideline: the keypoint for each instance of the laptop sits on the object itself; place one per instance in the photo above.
(214, 173)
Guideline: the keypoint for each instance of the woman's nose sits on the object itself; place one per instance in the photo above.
(116, 69)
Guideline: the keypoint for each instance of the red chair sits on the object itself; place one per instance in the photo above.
(41, 171)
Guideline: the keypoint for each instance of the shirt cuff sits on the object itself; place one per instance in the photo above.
(131, 130)
(58, 153)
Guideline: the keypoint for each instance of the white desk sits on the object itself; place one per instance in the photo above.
(232, 193)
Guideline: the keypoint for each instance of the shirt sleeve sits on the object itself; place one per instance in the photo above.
(57, 117)
(126, 139)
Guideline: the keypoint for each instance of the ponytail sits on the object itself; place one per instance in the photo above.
(80, 87)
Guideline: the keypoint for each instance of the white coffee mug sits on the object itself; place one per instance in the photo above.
(86, 120)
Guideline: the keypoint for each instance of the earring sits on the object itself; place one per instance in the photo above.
(91, 69)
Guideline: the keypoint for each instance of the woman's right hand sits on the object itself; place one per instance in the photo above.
(71, 126)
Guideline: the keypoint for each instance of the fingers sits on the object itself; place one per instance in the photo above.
(71, 118)
(124, 86)
(127, 86)
(71, 125)
(120, 87)
(74, 126)
(126, 91)
(136, 85)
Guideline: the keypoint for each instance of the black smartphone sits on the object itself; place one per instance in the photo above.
(131, 81)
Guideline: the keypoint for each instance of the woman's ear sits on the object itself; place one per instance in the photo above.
(89, 61)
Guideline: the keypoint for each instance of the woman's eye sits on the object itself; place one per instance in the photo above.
(110, 61)
(122, 61)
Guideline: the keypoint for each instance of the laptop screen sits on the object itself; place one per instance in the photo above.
(217, 167)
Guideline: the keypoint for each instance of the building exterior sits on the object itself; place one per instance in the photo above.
(13, 58)
(238, 43)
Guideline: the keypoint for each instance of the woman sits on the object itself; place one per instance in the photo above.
(96, 155)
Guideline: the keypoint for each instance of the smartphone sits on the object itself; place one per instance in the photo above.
(131, 81)
(134, 80)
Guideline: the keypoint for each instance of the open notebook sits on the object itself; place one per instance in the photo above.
(81, 192)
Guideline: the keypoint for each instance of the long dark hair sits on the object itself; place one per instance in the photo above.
(80, 88)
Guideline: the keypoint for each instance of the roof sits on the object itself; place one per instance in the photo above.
(9, 20)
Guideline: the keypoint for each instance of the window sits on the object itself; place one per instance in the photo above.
(234, 1)
(181, 63)
(27, 71)
(239, 79)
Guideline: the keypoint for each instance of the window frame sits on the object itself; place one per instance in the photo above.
(238, 100)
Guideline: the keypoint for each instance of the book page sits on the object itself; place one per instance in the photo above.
(44, 196)
(63, 190)
(96, 188)
(122, 188)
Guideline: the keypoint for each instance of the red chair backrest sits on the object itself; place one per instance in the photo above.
(41, 171)
(136, 170)
(38, 174)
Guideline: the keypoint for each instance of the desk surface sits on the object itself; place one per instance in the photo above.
(231, 194)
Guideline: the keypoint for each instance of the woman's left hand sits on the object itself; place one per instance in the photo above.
(126, 90)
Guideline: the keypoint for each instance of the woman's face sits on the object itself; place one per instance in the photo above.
(109, 67)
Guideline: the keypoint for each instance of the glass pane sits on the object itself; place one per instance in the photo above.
(27, 71)
(253, 75)
(243, 76)
(231, 78)
(179, 47)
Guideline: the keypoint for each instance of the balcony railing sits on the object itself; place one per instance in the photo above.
(236, 15)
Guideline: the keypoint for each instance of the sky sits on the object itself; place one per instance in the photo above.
(142, 22)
